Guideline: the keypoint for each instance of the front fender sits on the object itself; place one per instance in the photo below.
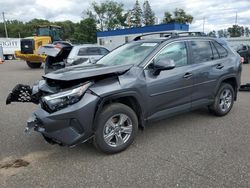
(117, 97)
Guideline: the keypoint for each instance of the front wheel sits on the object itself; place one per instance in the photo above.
(33, 65)
(224, 100)
(117, 125)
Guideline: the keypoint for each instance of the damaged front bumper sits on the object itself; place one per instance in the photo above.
(69, 126)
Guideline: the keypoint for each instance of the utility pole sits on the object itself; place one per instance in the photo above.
(203, 24)
(5, 27)
(236, 18)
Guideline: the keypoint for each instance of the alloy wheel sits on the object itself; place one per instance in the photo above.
(117, 130)
(226, 98)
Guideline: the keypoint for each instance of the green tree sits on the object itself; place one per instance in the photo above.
(179, 16)
(235, 31)
(222, 33)
(148, 14)
(108, 14)
(168, 18)
(247, 31)
(68, 29)
(85, 31)
(212, 33)
(242, 31)
(15, 29)
(136, 15)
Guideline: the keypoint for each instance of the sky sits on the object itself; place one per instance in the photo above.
(218, 14)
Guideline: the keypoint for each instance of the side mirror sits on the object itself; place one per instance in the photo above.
(162, 65)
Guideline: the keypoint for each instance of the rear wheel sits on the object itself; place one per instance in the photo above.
(224, 100)
(248, 60)
(33, 65)
(117, 126)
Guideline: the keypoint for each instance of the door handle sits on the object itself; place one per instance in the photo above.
(219, 66)
(188, 75)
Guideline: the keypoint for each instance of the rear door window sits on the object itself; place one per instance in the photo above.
(202, 51)
(82, 52)
(94, 51)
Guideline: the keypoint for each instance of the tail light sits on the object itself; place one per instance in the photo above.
(242, 59)
(59, 46)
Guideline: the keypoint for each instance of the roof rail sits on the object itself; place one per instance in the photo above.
(172, 34)
(162, 34)
(190, 33)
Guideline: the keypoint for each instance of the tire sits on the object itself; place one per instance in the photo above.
(10, 57)
(119, 124)
(248, 60)
(33, 65)
(224, 100)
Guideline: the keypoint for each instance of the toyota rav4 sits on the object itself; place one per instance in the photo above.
(139, 82)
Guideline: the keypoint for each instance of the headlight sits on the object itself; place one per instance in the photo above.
(62, 99)
(69, 61)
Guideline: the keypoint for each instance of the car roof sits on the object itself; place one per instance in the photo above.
(169, 36)
(183, 38)
(87, 45)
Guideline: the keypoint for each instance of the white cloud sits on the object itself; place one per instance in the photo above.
(218, 14)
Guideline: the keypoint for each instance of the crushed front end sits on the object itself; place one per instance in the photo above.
(65, 115)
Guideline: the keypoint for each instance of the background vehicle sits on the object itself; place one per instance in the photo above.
(30, 45)
(137, 83)
(69, 55)
(244, 51)
(10, 45)
(81, 53)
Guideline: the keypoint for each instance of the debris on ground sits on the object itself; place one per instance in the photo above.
(15, 164)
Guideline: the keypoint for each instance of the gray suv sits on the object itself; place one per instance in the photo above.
(139, 82)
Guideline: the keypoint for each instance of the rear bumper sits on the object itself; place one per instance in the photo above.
(69, 126)
(30, 57)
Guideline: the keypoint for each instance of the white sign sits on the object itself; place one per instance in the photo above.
(10, 45)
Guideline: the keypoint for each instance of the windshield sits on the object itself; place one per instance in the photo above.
(55, 33)
(131, 53)
(43, 31)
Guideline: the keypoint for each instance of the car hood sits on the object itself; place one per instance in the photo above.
(86, 71)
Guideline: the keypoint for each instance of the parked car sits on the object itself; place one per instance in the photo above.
(244, 51)
(139, 82)
(60, 55)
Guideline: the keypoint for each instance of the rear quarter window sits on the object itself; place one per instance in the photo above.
(221, 50)
(104, 51)
(215, 51)
(88, 51)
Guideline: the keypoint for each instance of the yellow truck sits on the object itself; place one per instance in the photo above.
(29, 46)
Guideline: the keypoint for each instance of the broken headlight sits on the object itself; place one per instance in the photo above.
(63, 99)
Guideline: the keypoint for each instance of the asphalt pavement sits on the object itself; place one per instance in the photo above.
(195, 149)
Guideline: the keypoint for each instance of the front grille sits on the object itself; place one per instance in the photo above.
(27, 46)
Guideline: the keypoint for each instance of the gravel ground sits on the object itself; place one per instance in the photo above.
(194, 149)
